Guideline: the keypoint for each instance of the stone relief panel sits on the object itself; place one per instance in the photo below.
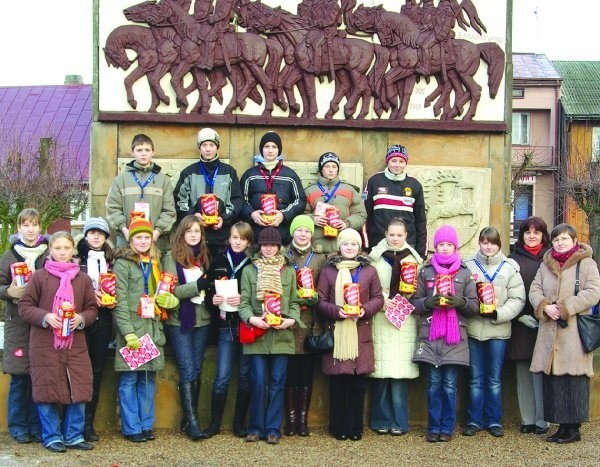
(309, 59)
(459, 196)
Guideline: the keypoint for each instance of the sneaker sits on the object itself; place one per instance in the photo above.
(57, 446)
(381, 431)
(432, 437)
(538, 430)
(496, 431)
(23, 439)
(471, 430)
(444, 437)
(273, 438)
(397, 432)
(527, 428)
(252, 438)
(83, 446)
(136, 438)
(149, 435)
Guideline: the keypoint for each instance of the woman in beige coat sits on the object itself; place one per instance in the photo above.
(558, 352)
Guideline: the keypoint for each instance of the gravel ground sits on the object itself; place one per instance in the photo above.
(170, 448)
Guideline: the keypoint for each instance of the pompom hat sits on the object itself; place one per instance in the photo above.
(446, 233)
(140, 225)
(349, 235)
(397, 150)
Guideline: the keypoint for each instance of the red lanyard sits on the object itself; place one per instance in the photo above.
(269, 177)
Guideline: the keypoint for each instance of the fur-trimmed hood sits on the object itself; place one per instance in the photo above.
(126, 252)
(337, 258)
(14, 239)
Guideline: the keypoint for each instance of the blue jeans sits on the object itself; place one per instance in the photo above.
(136, 400)
(441, 399)
(267, 377)
(71, 431)
(389, 405)
(228, 348)
(189, 350)
(21, 410)
(485, 385)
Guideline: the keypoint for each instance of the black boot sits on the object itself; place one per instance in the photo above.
(190, 424)
(560, 433)
(89, 433)
(303, 405)
(291, 410)
(242, 401)
(217, 407)
(571, 435)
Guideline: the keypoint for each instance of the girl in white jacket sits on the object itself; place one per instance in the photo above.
(489, 332)
(394, 347)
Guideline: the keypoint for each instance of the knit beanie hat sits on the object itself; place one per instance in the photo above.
(96, 223)
(269, 236)
(328, 157)
(270, 137)
(446, 233)
(397, 150)
(208, 134)
(349, 235)
(139, 225)
(302, 221)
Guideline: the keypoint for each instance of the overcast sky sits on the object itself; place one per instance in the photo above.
(41, 40)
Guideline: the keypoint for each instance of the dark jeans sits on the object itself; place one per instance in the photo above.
(22, 412)
(346, 404)
(300, 370)
(98, 337)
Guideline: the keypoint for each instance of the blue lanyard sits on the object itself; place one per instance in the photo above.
(491, 279)
(355, 275)
(146, 269)
(145, 184)
(210, 181)
(328, 194)
(236, 269)
(306, 263)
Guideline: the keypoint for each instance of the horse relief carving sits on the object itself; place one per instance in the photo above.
(280, 60)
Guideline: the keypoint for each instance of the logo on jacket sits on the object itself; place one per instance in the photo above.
(407, 191)
(382, 190)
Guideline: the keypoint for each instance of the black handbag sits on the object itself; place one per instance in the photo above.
(318, 343)
(587, 325)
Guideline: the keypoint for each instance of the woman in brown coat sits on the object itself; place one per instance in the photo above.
(558, 352)
(353, 354)
(61, 372)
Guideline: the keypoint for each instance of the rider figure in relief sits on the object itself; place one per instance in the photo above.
(437, 25)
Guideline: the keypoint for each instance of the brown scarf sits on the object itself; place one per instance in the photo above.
(269, 275)
(345, 335)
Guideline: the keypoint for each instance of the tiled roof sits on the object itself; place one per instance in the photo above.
(533, 66)
(28, 113)
(580, 88)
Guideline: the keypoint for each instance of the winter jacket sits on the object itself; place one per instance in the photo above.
(274, 341)
(372, 301)
(508, 289)
(15, 356)
(558, 350)
(346, 198)
(62, 376)
(125, 192)
(307, 310)
(394, 347)
(192, 185)
(291, 199)
(219, 268)
(130, 287)
(439, 352)
(183, 291)
(386, 199)
(522, 339)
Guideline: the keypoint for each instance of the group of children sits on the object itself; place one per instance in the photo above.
(353, 296)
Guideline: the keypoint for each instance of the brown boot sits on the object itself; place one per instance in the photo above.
(304, 403)
(291, 410)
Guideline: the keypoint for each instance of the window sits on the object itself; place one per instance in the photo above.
(596, 144)
(520, 128)
(518, 93)
(523, 206)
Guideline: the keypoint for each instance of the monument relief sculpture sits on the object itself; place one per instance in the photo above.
(373, 57)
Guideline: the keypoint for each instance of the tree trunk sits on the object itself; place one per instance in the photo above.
(594, 228)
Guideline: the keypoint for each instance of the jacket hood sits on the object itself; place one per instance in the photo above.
(379, 249)
(133, 166)
(337, 258)
(313, 248)
(14, 239)
(125, 252)
(584, 251)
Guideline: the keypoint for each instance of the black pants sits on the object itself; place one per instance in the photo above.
(98, 337)
(300, 370)
(346, 404)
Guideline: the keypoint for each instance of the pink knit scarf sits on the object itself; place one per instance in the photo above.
(444, 321)
(65, 272)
